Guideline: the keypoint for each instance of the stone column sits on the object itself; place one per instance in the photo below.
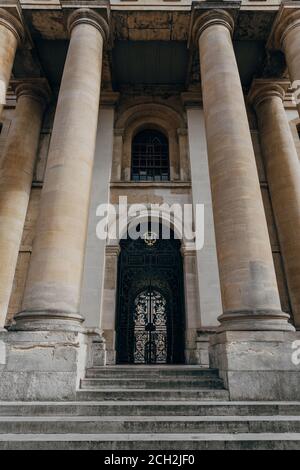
(283, 174)
(11, 34)
(249, 289)
(52, 294)
(286, 37)
(16, 177)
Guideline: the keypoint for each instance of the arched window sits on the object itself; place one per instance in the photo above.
(150, 157)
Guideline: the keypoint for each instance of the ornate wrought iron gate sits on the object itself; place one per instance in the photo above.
(150, 327)
(150, 304)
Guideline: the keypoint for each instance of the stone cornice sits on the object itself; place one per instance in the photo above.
(262, 90)
(91, 17)
(212, 18)
(13, 24)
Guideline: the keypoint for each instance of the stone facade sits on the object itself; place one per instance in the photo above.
(80, 83)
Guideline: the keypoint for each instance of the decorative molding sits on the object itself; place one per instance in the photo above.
(112, 250)
(182, 131)
(119, 132)
(191, 99)
(150, 184)
(109, 98)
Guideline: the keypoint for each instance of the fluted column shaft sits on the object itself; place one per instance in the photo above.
(15, 180)
(283, 174)
(11, 33)
(52, 292)
(249, 289)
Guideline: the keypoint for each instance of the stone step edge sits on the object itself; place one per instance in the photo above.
(149, 402)
(152, 418)
(148, 378)
(143, 390)
(152, 367)
(147, 437)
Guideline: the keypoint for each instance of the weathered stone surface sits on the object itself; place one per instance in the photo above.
(257, 365)
(41, 365)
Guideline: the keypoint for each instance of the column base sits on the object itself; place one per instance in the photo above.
(255, 320)
(47, 320)
(197, 346)
(41, 365)
(110, 346)
(257, 365)
(96, 349)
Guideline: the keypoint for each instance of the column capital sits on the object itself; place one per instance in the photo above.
(182, 131)
(212, 18)
(191, 99)
(288, 18)
(35, 88)
(109, 98)
(13, 24)
(265, 89)
(119, 131)
(88, 16)
(188, 249)
(112, 250)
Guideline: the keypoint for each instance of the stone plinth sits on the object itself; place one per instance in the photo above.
(41, 365)
(257, 365)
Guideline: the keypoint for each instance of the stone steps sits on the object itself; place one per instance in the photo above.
(134, 442)
(144, 372)
(160, 383)
(149, 408)
(147, 424)
(175, 425)
(153, 394)
(152, 383)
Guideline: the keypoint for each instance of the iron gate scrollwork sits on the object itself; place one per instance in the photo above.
(150, 328)
(150, 303)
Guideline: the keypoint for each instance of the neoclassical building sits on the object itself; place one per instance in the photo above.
(161, 102)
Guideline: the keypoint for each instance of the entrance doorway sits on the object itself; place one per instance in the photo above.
(150, 303)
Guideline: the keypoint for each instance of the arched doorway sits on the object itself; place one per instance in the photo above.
(150, 301)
